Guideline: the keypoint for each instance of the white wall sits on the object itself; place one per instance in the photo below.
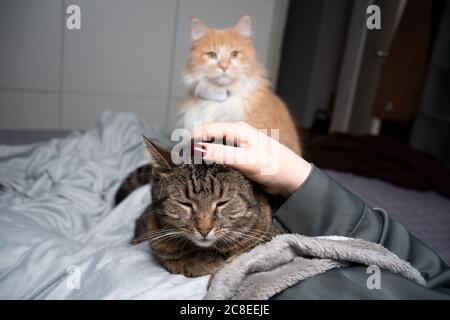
(128, 55)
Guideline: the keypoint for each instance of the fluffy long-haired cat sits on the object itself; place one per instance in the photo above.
(227, 83)
(201, 215)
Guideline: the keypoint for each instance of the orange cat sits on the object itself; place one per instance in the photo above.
(227, 83)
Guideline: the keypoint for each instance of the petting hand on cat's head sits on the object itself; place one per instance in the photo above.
(261, 158)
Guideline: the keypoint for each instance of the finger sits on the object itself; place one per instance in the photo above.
(235, 157)
(232, 133)
(221, 154)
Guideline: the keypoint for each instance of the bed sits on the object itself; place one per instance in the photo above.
(61, 237)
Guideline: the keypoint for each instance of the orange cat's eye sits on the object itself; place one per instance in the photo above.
(234, 54)
(212, 55)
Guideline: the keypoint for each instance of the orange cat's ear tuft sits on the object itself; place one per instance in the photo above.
(244, 26)
(198, 29)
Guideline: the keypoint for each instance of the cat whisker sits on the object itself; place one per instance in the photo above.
(140, 244)
(235, 243)
(171, 236)
(164, 235)
(257, 233)
(248, 236)
(145, 234)
(225, 238)
(150, 234)
(182, 242)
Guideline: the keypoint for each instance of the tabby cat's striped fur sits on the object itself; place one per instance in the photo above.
(200, 216)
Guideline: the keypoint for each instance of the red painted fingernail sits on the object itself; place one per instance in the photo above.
(201, 150)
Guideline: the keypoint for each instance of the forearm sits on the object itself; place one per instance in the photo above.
(321, 206)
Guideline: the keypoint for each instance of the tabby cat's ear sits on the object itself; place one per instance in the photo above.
(160, 158)
(198, 29)
(244, 26)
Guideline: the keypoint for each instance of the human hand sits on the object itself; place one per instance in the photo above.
(258, 156)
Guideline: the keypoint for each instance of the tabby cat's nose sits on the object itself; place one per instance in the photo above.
(204, 231)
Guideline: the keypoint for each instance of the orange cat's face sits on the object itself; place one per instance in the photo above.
(221, 57)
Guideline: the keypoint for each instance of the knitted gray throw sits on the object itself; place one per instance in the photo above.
(290, 258)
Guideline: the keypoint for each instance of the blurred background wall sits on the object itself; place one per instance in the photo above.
(128, 56)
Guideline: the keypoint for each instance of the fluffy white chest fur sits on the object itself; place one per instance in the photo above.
(206, 111)
(226, 108)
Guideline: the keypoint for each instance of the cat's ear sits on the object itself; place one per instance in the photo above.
(159, 158)
(244, 26)
(198, 29)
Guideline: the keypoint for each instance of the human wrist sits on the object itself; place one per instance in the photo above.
(296, 175)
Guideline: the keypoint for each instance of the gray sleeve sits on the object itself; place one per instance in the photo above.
(321, 206)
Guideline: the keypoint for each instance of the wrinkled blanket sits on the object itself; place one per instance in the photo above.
(288, 259)
(61, 238)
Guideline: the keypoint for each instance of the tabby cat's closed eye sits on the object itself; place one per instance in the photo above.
(221, 203)
(186, 204)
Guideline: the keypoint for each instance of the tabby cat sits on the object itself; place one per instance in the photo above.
(227, 83)
(201, 215)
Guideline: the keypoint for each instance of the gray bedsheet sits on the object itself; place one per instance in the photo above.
(58, 226)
